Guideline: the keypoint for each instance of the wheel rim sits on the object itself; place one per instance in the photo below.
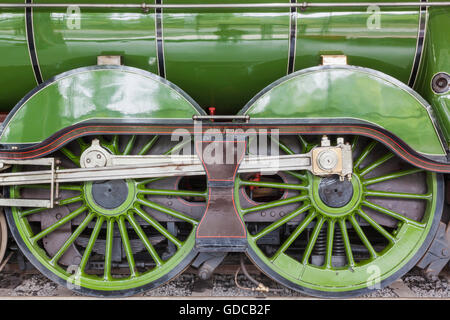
(3, 235)
(133, 220)
(325, 229)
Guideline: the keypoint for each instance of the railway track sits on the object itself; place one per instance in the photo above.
(17, 283)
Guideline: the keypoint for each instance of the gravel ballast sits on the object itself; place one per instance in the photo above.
(223, 285)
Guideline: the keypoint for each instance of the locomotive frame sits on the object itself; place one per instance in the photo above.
(104, 131)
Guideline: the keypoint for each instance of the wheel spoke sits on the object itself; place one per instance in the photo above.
(127, 246)
(347, 245)
(303, 143)
(363, 237)
(282, 146)
(47, 186)
(108, 249)
(168, 211)
(376, 164)
(281, 221)
(364, 154)
(155, 224)
(71, 156)
(390, 176)
(179, 193)
(330, 240)
(297, 175)
(148, 146)
(376, 193)
(70, 187)
(90, 245)
(276, 203)
(288, 151)
(83, 145)
(376, 226)
(58, 224)
(115, 144)
(31, 211)
(129, 146)
(147, 181)
(354, 142)
(275, 185)
(60, 203)
(177, 147)
(294, 235)
(70, 200)
(393, 214)
(72, 238)
(137, 228)
(312, 240)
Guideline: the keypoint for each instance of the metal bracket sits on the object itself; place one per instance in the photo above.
(333, 59)
(438, 254)
(109, 60)
(223, 118)
(327, 160)
(33, 202)
(207, 262)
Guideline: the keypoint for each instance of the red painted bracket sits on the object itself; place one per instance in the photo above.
(221, 228)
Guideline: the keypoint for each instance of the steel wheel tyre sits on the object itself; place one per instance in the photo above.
(343, 239)
(107, 238)
(3, 235)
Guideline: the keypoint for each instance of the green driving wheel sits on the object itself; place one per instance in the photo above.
(332, 238)
(112, 237)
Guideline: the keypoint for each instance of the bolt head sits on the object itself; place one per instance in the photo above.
(327, 159)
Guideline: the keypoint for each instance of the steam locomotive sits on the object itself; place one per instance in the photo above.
(138, 139)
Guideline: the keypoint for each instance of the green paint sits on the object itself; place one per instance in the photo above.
(220, 57)
(350, 92)
(436, 58)
(383, 39)
(72, 38)
(114, 94)
(17, 77)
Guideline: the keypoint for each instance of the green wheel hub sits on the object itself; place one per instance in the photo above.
(111, 198)
(338, 241)
(339, 211)
(120, 236)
